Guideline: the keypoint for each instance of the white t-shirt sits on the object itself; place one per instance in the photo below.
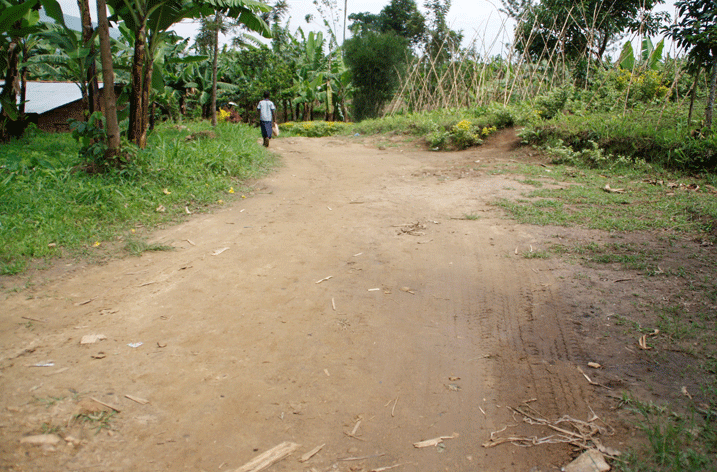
(265, 108)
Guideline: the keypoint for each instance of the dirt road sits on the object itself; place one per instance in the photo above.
(347, 302)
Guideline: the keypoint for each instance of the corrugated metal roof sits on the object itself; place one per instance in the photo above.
(45, 96)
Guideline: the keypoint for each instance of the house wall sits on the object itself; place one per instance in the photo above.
(55, 121)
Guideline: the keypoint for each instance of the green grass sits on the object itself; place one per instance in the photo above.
(51, 209)
(98, 420)
(536, 255)
(315, 129)
(675, 443)
(582, 200)
(135, 246)
(656, 133)
(628, 256)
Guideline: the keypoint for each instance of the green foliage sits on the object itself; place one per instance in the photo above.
(448, 129)
(636, 136)
(649, 58)
(51, 210)
(676, 443)
(462, 135)
(92, 138)
(400, 17)
(569, 29)
(696, 30)
(315, 129)
(99, 420)
(375, 61)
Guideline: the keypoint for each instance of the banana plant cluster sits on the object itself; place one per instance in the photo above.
(19, 23)
(319, 78)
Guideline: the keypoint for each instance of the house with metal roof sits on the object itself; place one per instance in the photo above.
(50, 104)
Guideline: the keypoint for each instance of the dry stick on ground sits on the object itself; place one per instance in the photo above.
(111, 407)
(347, 459)
(311, 453)
(352, 434)
(273, 455)
(584, 431)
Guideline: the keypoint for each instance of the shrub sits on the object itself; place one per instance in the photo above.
(314, 129)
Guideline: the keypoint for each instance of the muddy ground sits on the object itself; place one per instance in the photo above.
(346, 302)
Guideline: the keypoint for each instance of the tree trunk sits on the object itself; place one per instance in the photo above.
(11, 88)
(153, 111)
(146, 87)
(693, 94)
(93, 93)
(182, 104)
(108, 77)
(215, 63)
(23, 84)
(603, 48)
(329, 102)
(135, 105)
(711, 100)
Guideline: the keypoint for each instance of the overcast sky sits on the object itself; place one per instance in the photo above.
(479, 20)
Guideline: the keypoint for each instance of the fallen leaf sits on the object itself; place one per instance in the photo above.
(166, 191)
(160, 209)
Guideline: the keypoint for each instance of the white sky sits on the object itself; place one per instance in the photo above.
(479, 20)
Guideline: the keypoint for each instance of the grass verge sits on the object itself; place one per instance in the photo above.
(51, 209)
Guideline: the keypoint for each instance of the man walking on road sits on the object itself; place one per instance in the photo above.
(267, 117)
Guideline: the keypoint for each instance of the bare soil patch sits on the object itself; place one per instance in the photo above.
(348, 302)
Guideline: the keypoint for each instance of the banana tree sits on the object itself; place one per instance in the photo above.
(650, 56)
(311, 69)
(18, 20)
(67, 58)
(148, 20)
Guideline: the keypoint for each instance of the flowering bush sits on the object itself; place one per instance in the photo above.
(462, 135)
(223, 115)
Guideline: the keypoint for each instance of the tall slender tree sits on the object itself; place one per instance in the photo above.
(93, 94)
(108, 78)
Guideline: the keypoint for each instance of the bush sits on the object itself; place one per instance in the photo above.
(314, 129)
(635, 135)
